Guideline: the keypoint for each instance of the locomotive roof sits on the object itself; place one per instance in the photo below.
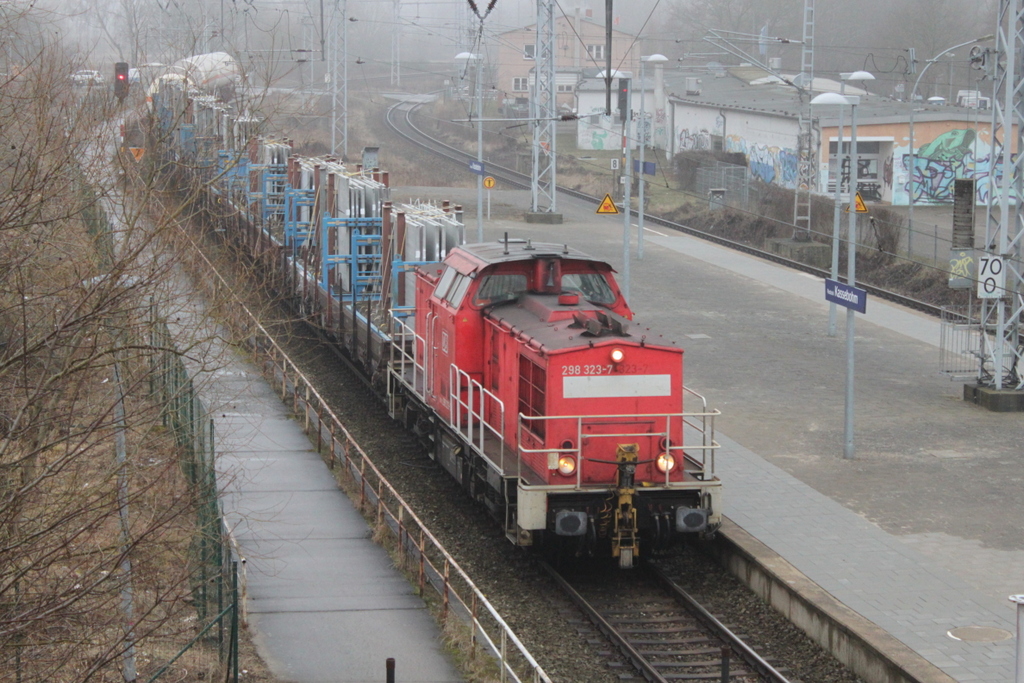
(470, 258)
(555, 326)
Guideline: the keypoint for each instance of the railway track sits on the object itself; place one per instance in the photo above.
(399, 119)
(660, 630)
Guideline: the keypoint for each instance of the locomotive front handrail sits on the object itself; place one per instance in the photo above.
(702, 421)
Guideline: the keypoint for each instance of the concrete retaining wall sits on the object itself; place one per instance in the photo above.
(870, 651)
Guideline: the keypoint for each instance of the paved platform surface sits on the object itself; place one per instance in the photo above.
(920, 533)
(324, 602)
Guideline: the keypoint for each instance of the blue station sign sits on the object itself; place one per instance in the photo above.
(477, 167)
(845, 295)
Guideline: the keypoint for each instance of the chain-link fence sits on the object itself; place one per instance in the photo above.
(214, 574)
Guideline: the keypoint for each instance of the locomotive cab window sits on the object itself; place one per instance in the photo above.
(495, 289)
(591, 286)
(458, 290)
(445, 283)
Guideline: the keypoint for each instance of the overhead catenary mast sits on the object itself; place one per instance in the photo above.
(338, 56)
(1000, 270)
(805, 181)
(396, 45)
(543, 108)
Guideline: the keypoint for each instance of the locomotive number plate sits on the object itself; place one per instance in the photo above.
(609, 369)
(616, 386)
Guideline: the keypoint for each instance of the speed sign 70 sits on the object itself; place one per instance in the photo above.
(991, 277)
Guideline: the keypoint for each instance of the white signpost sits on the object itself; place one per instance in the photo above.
(991, 277)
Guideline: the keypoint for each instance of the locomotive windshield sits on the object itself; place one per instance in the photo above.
(591, 286)
(496, 289)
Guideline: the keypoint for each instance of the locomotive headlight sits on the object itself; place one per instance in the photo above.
(665, 463)
(618, 355)
(566, 465)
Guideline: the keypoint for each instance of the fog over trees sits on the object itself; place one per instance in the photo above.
(871, 34)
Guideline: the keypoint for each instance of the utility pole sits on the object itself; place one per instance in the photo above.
(1000, 270)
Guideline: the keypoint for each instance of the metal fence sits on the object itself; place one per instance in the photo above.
(214, 571)
(733, 179)
(439, 578)
(959, 342)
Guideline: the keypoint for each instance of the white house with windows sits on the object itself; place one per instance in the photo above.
(579, 45)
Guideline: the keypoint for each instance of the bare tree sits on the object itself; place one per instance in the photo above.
(77, 271)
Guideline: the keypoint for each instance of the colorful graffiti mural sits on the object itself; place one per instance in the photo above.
(955, 154)
(768, 164)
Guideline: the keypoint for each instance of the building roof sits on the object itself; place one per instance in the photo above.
(570, 19)
(753, 89)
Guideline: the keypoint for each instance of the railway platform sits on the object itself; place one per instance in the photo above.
(919, 533)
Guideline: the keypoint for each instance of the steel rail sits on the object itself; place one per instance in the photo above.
(753, 660)
(765, 671)
(514, 178)
(631, 653)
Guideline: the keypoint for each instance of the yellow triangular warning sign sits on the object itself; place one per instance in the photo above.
(137, 152)
(607, 206)
(858, 204)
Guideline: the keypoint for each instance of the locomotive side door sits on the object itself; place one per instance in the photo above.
(442, 350)
(492, 371)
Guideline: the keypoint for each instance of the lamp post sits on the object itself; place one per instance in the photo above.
(910, 169)
(655, 59)
(467, 57)
(835, 99)
(837, 212)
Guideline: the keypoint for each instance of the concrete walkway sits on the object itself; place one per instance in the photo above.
(324, 603)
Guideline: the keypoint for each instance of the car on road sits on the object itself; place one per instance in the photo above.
(86, 77)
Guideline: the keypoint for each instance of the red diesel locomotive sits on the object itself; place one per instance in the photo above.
(543, 398)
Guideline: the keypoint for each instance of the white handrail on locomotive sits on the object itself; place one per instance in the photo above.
(455, 376)
(705, 429)
(476, 425)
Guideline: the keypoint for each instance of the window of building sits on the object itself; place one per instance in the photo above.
(529, 51)
(520, 84)
(596, 52)
(531, 393)
(564, 88)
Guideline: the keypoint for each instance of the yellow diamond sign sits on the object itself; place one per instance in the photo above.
(607, 205)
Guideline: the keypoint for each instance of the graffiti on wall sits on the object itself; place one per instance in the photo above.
(695, 140)
(954, 154)
(767, 163)
(596, 131)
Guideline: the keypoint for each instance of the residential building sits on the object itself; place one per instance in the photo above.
(579, 44)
